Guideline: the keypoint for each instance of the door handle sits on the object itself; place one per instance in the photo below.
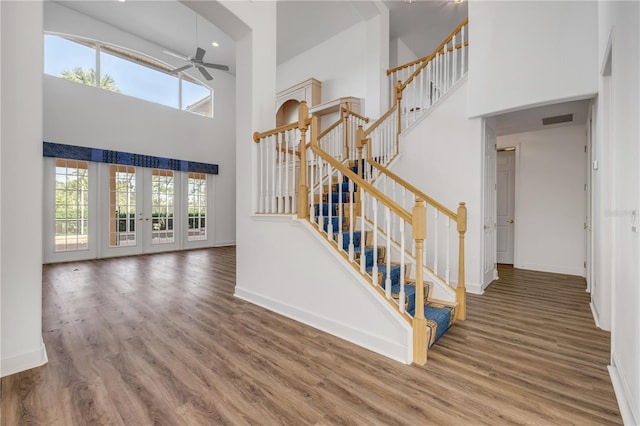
(510, 220)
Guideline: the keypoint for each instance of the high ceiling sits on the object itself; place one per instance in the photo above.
(301, 24)
(421, 24)
(168, 24)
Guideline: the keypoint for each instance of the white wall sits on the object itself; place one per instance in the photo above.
(377, 63)
(443, 156)
(550, 206)
(80, 115)
(527, 53)
(21, 176)
(399, 53)
(351, 63)
(618, 150)
(339, 63)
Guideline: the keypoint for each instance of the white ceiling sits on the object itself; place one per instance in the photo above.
(424, 24)
(301, 23)
(529, 120)
(168, 24)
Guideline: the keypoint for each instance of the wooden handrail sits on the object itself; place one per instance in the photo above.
(356, 115)
(326, 131)
(427, 58)
(257, 135)
(410, 188)
(395, 207)
(379, 121)
(288, 150)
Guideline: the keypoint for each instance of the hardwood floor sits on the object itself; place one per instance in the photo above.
(160, 339)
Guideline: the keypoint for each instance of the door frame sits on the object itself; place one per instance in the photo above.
(488, 202)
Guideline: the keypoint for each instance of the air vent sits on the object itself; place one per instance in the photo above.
(557, 119)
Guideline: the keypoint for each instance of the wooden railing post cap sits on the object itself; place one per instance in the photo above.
(303, 113)
(462, 217)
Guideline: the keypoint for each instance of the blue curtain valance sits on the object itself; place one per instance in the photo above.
(73, 152)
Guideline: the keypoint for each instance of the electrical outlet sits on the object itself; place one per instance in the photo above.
(634, 216)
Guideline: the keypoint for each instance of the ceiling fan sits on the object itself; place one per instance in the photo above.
(196, 62)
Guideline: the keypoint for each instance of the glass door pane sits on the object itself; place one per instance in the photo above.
(162, 207)
(197, 207)
(70, 210)
(122, 206)
(71, 205)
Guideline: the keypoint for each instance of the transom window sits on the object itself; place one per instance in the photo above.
(123, 71)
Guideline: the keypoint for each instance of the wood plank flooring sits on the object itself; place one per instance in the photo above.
(160, 339)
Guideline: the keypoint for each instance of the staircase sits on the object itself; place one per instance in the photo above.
(341, 182)
(439, 316)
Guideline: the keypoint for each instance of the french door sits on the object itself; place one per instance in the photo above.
(141, 214)
(95, 210)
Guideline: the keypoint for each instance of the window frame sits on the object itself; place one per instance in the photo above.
(140, 59)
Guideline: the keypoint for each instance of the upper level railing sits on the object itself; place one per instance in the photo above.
(339, 138)
(422, 82)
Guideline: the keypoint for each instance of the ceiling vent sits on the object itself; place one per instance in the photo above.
(557, 119)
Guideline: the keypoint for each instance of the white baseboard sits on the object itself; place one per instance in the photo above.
(566, 270)
(594, 313)
(25, 361)
(475, 288)
(628, 411)
(359, 337)
(225, 243)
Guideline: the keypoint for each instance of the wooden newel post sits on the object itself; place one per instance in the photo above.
(303, 190)
(359, 146)
(461, 291)
(345, 121)
(419, 233)
(398, 101)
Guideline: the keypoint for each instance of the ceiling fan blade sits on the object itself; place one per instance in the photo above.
(200, 54)
(175, 55)
(182, 68)
(216, 66)
(205, 73)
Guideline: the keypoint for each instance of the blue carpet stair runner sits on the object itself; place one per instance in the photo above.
(439, 318)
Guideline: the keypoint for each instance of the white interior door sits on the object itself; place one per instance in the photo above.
(490, 271)
(505, 205)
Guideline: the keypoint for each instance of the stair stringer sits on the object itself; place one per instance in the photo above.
(304, 278)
